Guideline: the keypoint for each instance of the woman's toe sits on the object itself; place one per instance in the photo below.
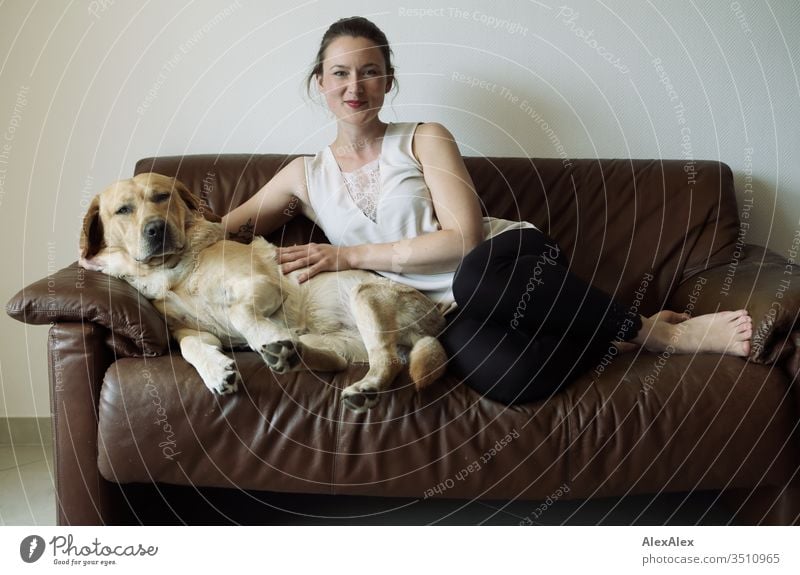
(745, 348)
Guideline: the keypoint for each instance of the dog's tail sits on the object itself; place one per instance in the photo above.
(426, 362)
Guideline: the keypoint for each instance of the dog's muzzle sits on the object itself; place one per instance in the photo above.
(156, 240)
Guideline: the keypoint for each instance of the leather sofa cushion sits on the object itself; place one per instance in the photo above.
(157, 422)
(72, 294)
(640, 425)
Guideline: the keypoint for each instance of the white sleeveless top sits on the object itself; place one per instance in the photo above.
(403, 209)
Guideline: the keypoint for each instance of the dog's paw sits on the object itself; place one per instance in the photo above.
(225, 380)
(281, 356)
(362, 395)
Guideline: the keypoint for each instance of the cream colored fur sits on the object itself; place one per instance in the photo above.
(150, 231)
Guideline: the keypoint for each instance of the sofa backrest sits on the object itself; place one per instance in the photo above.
(634, 228)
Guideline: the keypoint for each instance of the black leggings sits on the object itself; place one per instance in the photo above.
(525, 325)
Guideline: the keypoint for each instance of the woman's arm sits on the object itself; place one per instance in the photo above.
(455, 204)
(277, 202)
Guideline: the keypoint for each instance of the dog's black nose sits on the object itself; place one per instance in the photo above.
(154, 230)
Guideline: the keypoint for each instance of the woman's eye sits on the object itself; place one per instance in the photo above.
(342, 73)
(124, 210)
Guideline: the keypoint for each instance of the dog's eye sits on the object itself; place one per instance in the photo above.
(126, 209)
(158, 198)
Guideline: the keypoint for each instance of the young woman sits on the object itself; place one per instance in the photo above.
(397, 199)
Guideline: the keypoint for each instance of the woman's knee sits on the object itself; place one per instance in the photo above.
(470, 272)
(501, 366)
(519, 383)
(485, 262)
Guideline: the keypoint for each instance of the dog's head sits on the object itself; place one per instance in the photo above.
(140, 221)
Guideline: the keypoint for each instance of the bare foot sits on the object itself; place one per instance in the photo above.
(670, 316)
(664, 315)
(624, 346)
(726, 332)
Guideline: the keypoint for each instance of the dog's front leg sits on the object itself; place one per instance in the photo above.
(280, 350)
(203, 351)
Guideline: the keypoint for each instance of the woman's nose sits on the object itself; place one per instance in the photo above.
(355, 86)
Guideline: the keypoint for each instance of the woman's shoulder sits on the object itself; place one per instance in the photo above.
(430, 137)
(432, 128)
(420, 128)
(314, 165)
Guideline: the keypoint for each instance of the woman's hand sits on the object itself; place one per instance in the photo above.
(316, 257)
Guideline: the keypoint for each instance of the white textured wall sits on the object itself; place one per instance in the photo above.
(86, 88)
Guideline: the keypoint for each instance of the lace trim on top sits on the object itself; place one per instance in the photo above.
(364, 187)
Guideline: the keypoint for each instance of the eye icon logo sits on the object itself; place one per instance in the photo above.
(31, 548)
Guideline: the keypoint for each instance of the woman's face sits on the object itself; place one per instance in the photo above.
(354, 79)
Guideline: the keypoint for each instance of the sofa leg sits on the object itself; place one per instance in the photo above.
(764, 505)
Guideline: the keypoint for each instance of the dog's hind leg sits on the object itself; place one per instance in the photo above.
(427, 361)
(379, 333)
(322, 352)
(203, 351)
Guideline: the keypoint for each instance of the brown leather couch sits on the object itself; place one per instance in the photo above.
(136, 429)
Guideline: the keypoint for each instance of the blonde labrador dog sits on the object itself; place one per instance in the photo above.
(152, 232)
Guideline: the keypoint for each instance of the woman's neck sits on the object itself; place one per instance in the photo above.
(359, 142)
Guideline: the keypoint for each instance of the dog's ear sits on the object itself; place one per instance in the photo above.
(92, 232)
(195, 204)
(192, 202)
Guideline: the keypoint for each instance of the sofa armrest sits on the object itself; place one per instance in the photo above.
(73, 294)
(765, 284)
(78, 358)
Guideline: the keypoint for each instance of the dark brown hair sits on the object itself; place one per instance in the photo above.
(357, 27)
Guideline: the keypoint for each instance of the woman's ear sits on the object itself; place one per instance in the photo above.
(92, 240)
(320, 86)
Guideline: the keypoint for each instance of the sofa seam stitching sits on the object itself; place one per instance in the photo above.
(568, 478)
(134, 336)
(54, 408)
(336, 434)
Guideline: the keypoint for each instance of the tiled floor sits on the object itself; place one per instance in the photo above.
(27, 497)
(27, 491)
